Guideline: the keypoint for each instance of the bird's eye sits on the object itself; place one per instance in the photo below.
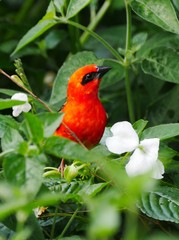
(88, 78)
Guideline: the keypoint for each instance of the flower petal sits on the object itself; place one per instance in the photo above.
(158, 170)
(144, 159)
(138, 164)
(26, 107)
(150, 148)
(20, 96)
(16, 111)
(124, 138)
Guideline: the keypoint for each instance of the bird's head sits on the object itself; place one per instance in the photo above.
(85, 81)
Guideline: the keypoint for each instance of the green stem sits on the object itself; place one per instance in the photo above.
(127, 63)
(95, 35)
(95, 20)
(131, 226)
(68, 224)
(129, 96)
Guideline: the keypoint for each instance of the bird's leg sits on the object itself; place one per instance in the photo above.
(62, 167)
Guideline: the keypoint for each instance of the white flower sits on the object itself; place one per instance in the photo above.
(25, 107)
(145, 156)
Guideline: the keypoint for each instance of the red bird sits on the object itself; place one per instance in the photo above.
(84, 118)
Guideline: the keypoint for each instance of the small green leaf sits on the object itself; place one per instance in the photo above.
(158, 12)
(33, 127)
(140, 125)
(60, 5)
(8, 103)
(161, 204)
(162, 63)
(51, 121)
(47, 22)
(75, 6)
(92, 190)
(138, 41)
(163, 131)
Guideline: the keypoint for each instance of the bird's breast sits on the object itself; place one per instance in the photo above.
(85, 121)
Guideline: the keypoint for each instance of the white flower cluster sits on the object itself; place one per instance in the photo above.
(144, 158)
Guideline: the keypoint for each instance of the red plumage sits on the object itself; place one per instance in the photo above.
(84, 116)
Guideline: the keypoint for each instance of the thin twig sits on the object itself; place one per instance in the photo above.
(74, 135)
(27, 90)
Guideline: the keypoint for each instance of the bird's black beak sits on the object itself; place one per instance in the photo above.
(102, 70)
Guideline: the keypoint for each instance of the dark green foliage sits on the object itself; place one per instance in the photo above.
(95, 199)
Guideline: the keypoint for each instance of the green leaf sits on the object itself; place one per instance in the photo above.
(176, 3)
(158, 12)
(14, 169)
(138, 41)
(92, 190)
(161, 204)
(60, 5)
(71, 65)
(8, 103)
(162, 63)
(25, 172)
(75, 6)
(165, 107)
(51, 121)
(140, 125)
(115, 75)
(47, 22)
(64, 148)
(34, 173)
(104, 216)
(33, 127)
(7, 122)
(162, 39)
(8, 92)
(163, 131)
(11, 139)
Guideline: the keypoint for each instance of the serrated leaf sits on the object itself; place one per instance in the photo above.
(71, 65)
(163, 131)
(161, 204)
(158, 12)
(162, 63)
(75, 6)
(47, 22)
(8, 103)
